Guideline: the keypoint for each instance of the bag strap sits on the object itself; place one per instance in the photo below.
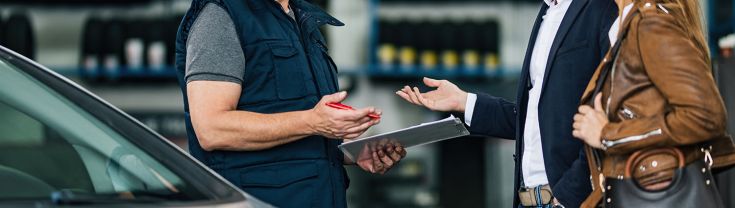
(639, 155)
(614, 51)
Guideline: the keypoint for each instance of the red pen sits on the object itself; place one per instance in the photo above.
(347, 107)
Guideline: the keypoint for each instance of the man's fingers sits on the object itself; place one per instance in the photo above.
(413, 96)
(385, 159)
(377, 165)
(578, 117)
(420, 97)
(576, 125)
(401, 151)
(432, 82)
(361, 128)
(404, 95)
(358, 122)
(585, 109)
(353, 135)
(360, 113)
(394, 154)
(577, 134)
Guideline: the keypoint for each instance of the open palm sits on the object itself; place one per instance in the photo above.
(446, 97)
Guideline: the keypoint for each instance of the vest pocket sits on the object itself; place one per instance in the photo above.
(285, 184)
(289, 70)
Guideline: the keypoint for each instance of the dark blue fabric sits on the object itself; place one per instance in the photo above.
(287, 69)
(545, 206)
(578, 48)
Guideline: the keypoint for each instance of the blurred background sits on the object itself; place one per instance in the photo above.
(122, 51)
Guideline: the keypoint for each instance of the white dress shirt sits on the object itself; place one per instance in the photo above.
(532, 164)
(615, 27)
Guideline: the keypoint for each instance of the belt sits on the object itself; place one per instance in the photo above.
(537, 196)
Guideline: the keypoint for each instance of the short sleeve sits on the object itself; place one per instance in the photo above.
(213, 51)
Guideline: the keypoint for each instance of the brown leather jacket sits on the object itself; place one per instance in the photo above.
(660, 92)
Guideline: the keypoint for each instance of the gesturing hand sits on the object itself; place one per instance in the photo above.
(588, 123)
(340, 124)
(446, 96)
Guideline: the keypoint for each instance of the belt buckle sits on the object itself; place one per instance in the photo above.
(530, 197)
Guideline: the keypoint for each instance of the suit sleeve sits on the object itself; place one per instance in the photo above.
(494, 116)
(680, 71)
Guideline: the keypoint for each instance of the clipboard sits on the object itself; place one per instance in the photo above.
(421, 134)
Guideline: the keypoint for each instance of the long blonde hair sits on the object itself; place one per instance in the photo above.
(689, 14)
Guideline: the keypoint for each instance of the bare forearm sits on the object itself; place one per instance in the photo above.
(249, 131)
(219, 126)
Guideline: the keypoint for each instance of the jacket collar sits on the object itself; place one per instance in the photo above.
(570, 17)
(306, 10)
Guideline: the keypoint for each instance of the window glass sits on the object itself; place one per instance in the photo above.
(49, 146)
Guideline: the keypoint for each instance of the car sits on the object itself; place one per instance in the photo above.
(61, 145)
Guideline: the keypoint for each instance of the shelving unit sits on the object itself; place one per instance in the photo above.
(375, 69)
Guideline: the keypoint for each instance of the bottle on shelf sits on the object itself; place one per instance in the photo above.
(92, 47)
(490, 45)
(407, 46)
(427, 44)
(156, 50)
(470, 47)
(448, 32)
(387, 52)
(114, 44)
(135, 45)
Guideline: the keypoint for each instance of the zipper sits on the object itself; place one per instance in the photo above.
(627, 113)
(612, 84)
(608, 143)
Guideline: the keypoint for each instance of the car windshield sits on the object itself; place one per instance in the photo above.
(52, 149)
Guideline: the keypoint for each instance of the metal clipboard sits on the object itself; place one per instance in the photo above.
(421, 134)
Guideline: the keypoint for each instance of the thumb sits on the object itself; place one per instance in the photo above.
(335, 98)
(598, 102)
(431, 82)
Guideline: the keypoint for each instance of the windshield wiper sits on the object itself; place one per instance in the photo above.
(69, 197)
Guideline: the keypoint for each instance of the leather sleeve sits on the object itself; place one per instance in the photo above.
(494, 116)
(680, 71)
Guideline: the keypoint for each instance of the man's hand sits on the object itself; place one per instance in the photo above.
(379, 157)
(588, 123)
(446, 96)
(340, 124)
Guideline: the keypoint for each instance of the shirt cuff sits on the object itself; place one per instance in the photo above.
(469, 108)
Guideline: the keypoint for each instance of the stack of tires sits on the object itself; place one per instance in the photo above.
(16, 33)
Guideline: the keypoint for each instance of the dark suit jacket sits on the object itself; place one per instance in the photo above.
(579, 46)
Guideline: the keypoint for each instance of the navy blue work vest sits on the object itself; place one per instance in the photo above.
(287, 69)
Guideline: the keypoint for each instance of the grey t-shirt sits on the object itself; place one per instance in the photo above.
(213, 51)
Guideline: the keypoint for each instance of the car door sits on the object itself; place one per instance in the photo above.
(61, 145)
